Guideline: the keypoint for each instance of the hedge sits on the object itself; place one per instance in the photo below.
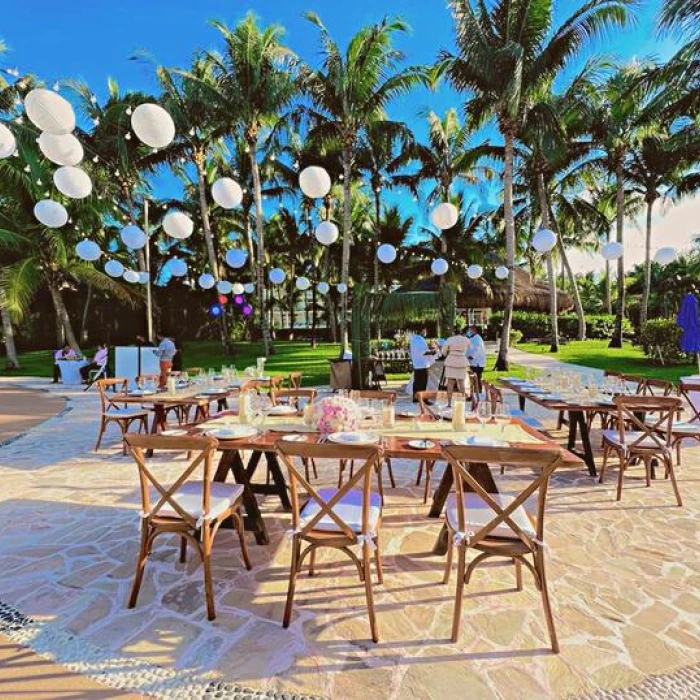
(661, 336)
(536, 325)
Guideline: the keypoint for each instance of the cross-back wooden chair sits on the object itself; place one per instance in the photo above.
(293, 397)
(497, 525)
(294, 380)
(340, 518)
(635, 383)
(111, 412)
(657, 387)
(192, 507)
(644, 432)
(373, 395)
(689, 392)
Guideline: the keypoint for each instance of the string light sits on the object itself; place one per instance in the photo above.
(56, 87)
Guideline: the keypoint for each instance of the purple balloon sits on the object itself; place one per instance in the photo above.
(238, 299)
(247, 310)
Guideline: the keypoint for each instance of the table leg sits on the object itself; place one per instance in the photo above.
(521, 402)
(579, 425)
(158, 423)
(279, 487)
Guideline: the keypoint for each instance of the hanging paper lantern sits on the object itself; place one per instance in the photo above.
(445, 215)
(315, 181)
(501, 272)
(247, 310)
(224, 287)
(612, 251)
(302, 283)
(664, 256)
(223, 299)
(64, 149)
(73, 182)
(342, 287)
(238, 299)
(323, 288)
(249, 288)
(277, 275)
(386, 253)
(7, 142)
(133, 237)
(544, 240)
(88, 250)
(153, 125)
(144, 277)
(238, 288)
(178, 225)
(131, 276)
(227, 193)
(327, 233)
(206, 281)
(51, 214)
(439, 266)
(114, 268)
(177, 267)
(236, 257)
(475, 271)
(215, 310)
(49, 111)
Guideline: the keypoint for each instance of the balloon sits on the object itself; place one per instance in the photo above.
(224, 287)
(178, 267)
(153, 125)
(131, 276)
(51, 214)
(327, 233)
(206, 281)
(342, 287)
(302, 283)
(315, 181)
(7, 142)
(501, 272)
(62, 150)
(227, 193)
(133, 237)
(475, 271)
(144, 277)
(439, 266)
(544, 240)
(49, 111)
(323, 287)
(386, 253)
(114, 268)
(73, 182)
(236, 257)
(249, 288)
(612, 251)
(445, 215)
(277, 275)
(238, 288)
(664, 256)
(88, 250)
(178, 225)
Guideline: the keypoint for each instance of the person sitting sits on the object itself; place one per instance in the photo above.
(65, 353)
(99, 360)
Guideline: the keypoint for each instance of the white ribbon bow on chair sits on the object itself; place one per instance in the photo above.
(293, 532)
(541, 544)
(460, 537)
(367, 537)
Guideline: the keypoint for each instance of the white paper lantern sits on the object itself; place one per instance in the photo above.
(224, 287)
(315, 181)
(64, 149)
(386, 253)
(133, 237)
(302, 283)
(227, 193)
(73, 182)
(445, 215)
(664, 256)
(323, 288)
(612, 251)
(177, 267)
(51, 214)
(178, 225)
(153, 125)
(144, 277)
(7, 142)
(206, 281)
(277, 275)
(88, 250)
(544, 240)
(236, 257)
(439, 266)
(342, 287)
(501, 272)
(49, 111)
(249, 288)
(238, 288)
(114, 268)
(475, 271)
(327, 233)
(131, 276)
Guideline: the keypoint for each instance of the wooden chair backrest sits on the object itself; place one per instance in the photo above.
(541, 460)
(252, 385)
(120, 384)
(690, 390)
(203, 449)
(612, 373)
(651, 416)
(636, 380)
(493, 394)
(291, 451)
(295, 380)
(389, 396)
(657, 387)
(292, 396)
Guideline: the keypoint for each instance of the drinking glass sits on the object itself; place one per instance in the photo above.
(483, 412)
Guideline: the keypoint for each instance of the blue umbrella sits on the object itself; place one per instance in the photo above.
(689, 320)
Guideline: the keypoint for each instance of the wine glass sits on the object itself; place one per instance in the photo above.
(501, 415)
(483, 412)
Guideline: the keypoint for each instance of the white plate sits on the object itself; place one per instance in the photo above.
(213, 392)
(173, 432)
(294, 438)
(234, 432)
(480, 441)
(281, 410)
(421, 444)
(359, 438)
(142, 392)
(408, 414)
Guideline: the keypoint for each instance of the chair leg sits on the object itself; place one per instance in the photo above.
(140, 566)
(313, 466)
(540, 568)
(428, 474)
(647, 471)
(238, 521)
(420, 472)
(606, 454)
(103, 427)
(341, 469)
(206, 564)
(459, 592)
(621, 476)
(380, 482)
(448, 563)
(312, 562)
(369, 593)
(183, 550)
(672, 475)
(378, 562)
(518, 574)
(296, 547)
(391, 472)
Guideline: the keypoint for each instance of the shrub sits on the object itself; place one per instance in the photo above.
(515, 337)
(536, 325)
(661, 336)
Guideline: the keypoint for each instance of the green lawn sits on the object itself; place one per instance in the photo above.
(628, 359)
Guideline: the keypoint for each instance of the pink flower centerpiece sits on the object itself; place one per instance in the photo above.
(336, 414)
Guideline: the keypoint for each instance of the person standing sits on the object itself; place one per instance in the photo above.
(165, 352)
(456, 363)
(99, 360)
(476, 354)
(420, 359)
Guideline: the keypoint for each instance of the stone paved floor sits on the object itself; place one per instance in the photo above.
(625, 580)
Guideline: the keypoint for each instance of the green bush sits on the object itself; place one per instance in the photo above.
(661, 337)
(515, 337)
(536, 325)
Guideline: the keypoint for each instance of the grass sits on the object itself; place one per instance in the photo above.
(629, 359)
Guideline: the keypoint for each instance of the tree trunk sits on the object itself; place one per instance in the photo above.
(347, 223)
(62, 315)
(502, 361)
(551, 274)
(11, 361)
(375, 287)
(644, 311)
(260, 234)
(86, 307)
(616, 340)
(581, 335)
(332, 318)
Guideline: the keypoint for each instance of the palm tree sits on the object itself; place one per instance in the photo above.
(506, 53)
(256, 73)
(349, 93)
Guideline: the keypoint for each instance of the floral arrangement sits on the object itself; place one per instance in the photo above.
(335, 414)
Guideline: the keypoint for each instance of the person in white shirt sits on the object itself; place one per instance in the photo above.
(421, 359)
(65, 353)
(476, 354)
(98, 361)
